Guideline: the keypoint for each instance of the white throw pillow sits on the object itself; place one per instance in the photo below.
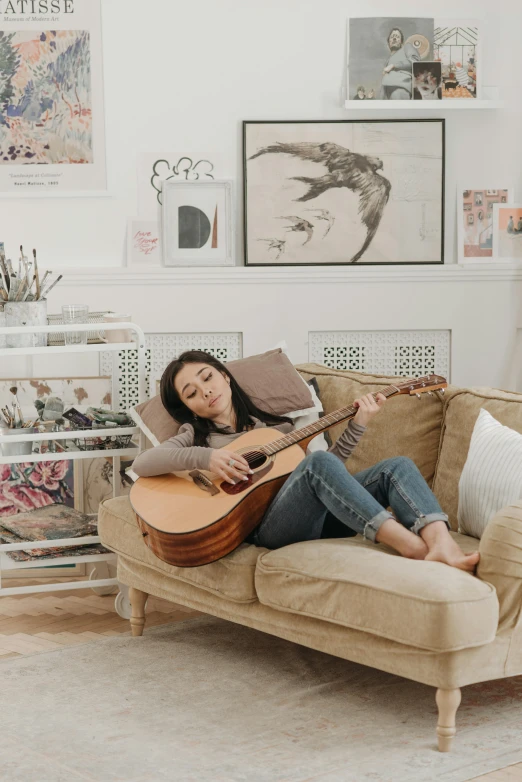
(492, 476)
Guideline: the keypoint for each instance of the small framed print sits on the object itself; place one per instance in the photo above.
(507, 233)
(143, 243)
(197, 223)
(476, 228)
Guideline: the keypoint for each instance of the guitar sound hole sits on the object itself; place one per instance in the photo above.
(255, 459)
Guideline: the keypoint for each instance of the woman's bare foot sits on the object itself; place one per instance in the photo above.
(401, 539)
(442, 548)
(455, 559)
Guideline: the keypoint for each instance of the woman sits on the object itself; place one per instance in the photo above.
(199, 392)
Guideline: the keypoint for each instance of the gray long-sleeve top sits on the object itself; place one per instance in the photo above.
(179, 452)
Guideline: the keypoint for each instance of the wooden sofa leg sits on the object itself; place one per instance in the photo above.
(137, 600)
(448, 701)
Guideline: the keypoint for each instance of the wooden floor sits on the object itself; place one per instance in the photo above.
(39, 622)
(31, 624)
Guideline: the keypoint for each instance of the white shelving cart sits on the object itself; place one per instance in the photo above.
(138, 343)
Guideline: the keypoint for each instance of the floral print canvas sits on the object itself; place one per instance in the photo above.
(31, 485)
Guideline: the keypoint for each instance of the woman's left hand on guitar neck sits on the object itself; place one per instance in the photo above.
(367, 408)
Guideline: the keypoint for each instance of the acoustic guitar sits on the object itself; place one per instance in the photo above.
(192, 518)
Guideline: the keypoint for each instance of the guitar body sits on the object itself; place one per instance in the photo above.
(193, 518)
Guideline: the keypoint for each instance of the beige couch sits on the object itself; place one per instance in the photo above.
(421, 620)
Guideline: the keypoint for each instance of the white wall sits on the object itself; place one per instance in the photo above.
(179, 79)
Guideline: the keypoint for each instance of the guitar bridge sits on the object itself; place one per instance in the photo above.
(203, 482)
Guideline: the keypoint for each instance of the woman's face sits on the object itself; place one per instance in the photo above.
(204, 390)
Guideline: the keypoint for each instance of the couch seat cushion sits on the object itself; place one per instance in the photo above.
(231, 577)
(423, 604)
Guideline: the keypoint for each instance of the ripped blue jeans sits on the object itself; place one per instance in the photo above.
(321, 487)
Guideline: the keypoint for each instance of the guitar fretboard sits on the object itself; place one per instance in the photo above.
(324, 423)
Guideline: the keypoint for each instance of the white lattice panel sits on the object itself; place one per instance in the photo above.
(404, 353)
(161, 350)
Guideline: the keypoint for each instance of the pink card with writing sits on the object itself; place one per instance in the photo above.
(143, 243)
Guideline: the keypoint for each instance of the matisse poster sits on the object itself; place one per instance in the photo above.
(52, 124)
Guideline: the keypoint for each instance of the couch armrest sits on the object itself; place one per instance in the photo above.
(501, 561)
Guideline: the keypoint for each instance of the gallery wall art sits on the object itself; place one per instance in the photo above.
(52, 134)
(456, 45)
(507, 232)
(381, 53)
(475, 220)
(344, 192)
(197, 223)
(156, 167)
(143, 242)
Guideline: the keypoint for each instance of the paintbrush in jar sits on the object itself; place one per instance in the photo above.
(38, 289)
(14, 391)
(49, 289)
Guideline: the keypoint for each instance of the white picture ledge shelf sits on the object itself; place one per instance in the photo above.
(276, 275)
(456, 104)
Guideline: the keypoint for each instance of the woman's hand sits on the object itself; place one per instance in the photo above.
(220, 465)
(368, 406)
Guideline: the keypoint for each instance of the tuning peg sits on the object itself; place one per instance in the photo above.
(442, 391)
(418, 396)
(430, 393)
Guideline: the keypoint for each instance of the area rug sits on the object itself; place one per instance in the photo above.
(204, 700)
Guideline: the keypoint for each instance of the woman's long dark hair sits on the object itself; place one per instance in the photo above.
(203, 427)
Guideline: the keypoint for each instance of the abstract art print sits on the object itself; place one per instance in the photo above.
(52, 134)
(381, 53)
(507, 234)
(344, 192)
(197, 223)
(456, 47)
(475, 221)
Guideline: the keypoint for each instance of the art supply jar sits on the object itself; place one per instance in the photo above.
(26, 313)
(75, 314)
(17, 449)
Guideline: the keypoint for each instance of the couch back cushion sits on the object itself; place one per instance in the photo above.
(461, 409)
(268, 378)
(406, 426)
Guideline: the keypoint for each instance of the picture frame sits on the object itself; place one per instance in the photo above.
(475, 239)
(143, 243)
(56, 58)
(197, 223)
(291, 172)
(507, 243)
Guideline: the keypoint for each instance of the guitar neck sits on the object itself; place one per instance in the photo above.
(322, 425)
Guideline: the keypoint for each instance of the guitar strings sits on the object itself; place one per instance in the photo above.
(252, 456)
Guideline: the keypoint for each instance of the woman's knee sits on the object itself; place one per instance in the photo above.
(403, 463)
(321, 458)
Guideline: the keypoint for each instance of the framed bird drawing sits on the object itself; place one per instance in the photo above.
(344, 192)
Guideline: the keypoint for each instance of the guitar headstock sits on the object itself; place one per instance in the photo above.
(421, 385)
